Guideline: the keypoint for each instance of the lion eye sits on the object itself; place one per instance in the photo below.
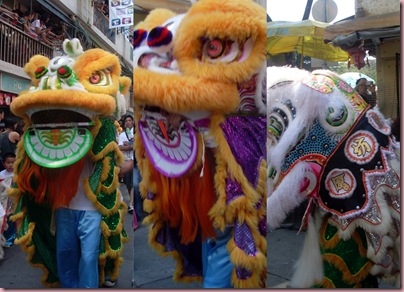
(100, 78)
(214, 48)
(220, 50)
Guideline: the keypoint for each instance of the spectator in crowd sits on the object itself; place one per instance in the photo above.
(43, 32)
(26, 20)
(8, 228)
(2, 129)
(9, 138)
(6, 11)
(367, 90)
(395, 128)
(125, 144)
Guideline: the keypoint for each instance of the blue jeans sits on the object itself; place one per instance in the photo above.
(78, 235)
(217, 267)
(137, 199)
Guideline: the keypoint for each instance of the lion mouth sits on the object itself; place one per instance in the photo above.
(158, 63)
(60, 118)
(58, 137)
(169, 139)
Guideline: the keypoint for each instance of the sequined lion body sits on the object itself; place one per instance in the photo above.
(329, 147)
(200, 134)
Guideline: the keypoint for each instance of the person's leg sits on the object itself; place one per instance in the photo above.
(128, 181)
(89, 231)
(217, 267)
(134, 267)
(67, 248)
(137, 199)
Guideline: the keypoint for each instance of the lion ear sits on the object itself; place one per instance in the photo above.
(155, 18)
(124, 84)
(36, 68)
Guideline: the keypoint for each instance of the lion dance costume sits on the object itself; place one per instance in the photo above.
(327, 146)
(200, 139)
(68, 115)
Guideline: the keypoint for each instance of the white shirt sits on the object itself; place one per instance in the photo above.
(80, 200)
(123, 138)
(6, 179)
(35, 24)
(5, 174)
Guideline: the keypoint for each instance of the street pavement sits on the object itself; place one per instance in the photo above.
(149, 270)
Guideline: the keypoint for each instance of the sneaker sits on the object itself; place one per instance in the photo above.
(130, 209)
(109, 283)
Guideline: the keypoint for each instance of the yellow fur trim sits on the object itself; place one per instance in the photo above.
(26, 245)
(241, 259)
(226, 163)
(113, 276)
(118, 127)
(101, 103)
(125, 83)
(327, 283)
(226, 20)
(178, 94)
(328, 243)
(95, 60)
(147, 183)
(162, 252)
(339, 263)
(156, 17)
(16, 217)
(111, 147)
(105, 168)
(93, 198)
(106, 231)
(240, 210)
(26, 239)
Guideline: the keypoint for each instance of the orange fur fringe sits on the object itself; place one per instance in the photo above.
(50, 182)
(185, 202)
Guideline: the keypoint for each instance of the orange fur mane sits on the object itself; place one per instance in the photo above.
(54, 186)
(186, 202)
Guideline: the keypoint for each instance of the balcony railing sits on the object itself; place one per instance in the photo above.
(102, 23)
(16, 47)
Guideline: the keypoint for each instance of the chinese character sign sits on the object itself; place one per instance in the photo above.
(120, 13)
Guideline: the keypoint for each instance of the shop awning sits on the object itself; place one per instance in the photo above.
(360, 24)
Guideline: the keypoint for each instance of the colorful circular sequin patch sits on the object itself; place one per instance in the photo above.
(361, 147)
(340, 183)
(378, 122)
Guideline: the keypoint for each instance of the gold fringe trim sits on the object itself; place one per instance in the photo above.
(339, 263)
(25, 242)
(106, 231)
(93, 198)
(332, 242)
(241, 209)
(327, 283)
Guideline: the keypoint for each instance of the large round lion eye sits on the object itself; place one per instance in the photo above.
(214, 48)
(95, 78)
(220, 50)
(100, 78)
